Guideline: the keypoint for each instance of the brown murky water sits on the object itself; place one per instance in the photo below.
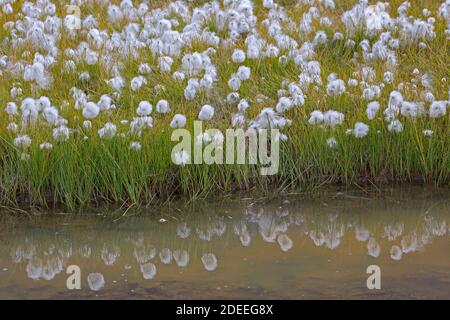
(293, 248)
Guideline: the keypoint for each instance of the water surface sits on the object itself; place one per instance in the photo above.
(291, 248)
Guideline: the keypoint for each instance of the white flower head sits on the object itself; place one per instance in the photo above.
(135, 146)
(108, 131)
(316, 117)
(178, 121)
(372, 109)
(162, 106)
(61, 133)
(438, 109)
(238, 56)
(333, 118)
(11, 109)
(22, 141)
(361, 130)
(243, 73)
(144, 108)
(332, 143)
(395, 126)
(45, 146)
(91, 110)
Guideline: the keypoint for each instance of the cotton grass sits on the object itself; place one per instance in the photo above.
(91, 110)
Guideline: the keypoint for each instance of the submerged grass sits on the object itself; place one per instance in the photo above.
(79, 172)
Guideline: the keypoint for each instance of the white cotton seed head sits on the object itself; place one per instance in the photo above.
(162, 106)
(438, 109)
(135, 146)
(87, 124)
(316, 117)
(372, 109)
(395, 99)
(333, 118)
(61, 133)
(165, 63)
(144, 108)
(190, 92)
(285, 242)
(335, 87)
(24, 156)
(411, 109)
(253, 52)
(137, 83)
(105, 103)
(232, 97)
(388, 77)
(428, 97)
(90, 110)
(145, 69)
(268, 4)
(22, 141)
(178, 76)
(238, 56)
(50, 114)
(368, 94)
(243, 105)
(45, 146)
(13, 127)
(206, 113)
(352, 82)
(108, 131)
(332, 76)
(61, 122)
(243, 73)
(140, 123)
(332, 143)
(181, 158)
(16, 92)
(11, 109)
(207, 82)
(361, 130)
(234, 83)
(29, 110)
(395, 126)
(178, 121)
(42, 103)
(115, 15)
(283, 105)
(91, 57)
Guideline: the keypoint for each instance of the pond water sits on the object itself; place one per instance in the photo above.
(294, 247)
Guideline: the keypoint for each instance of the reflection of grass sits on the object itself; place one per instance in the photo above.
(78, 172)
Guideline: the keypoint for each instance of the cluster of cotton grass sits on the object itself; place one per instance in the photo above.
(133, 69)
